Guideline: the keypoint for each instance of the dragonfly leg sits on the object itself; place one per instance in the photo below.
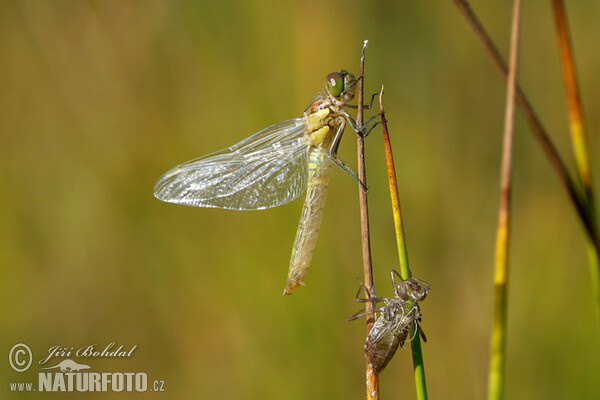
(368, 299)
(421, 333)
(366, 133)
(363, 130)
(365, 106)
(333, 155)
(393, 273)
(362, 313)
(349, 171)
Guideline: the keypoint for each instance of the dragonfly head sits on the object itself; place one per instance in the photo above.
(341, 85)
(412, 289)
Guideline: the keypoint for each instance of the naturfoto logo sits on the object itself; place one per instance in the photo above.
(67, 375)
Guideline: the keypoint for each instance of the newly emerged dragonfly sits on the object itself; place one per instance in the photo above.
(274, 167)
(396, 317)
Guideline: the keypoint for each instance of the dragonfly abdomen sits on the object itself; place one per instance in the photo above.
(380, 352)
(319, 171)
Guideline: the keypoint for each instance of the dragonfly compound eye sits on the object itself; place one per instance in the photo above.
(335, 83)
(349, 87)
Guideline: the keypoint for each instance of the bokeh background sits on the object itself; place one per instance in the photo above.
(99, 98)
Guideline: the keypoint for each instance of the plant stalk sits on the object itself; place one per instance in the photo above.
(418, 364)
(499, 329)
(372, 378)
(578, 137)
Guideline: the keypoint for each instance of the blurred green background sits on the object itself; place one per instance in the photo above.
(99, 98)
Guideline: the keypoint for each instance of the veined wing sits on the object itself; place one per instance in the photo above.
(267, 169)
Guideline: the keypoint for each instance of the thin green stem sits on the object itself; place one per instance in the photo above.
(418, 364)
(578, 137)
(499, 330)
(395, 197)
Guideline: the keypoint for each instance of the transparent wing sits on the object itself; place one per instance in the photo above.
(267, 169)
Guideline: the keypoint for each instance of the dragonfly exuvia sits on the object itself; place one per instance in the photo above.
(396, 318)
(273, 167)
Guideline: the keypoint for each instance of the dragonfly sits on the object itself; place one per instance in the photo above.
(396, 317)
(274, 167)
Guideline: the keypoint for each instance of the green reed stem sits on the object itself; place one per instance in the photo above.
(418, 364)
(499, 330)
(578, 137)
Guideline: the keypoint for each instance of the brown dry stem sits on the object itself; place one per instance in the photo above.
(372, 378)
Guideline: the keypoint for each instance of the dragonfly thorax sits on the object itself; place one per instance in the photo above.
(322, 120)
